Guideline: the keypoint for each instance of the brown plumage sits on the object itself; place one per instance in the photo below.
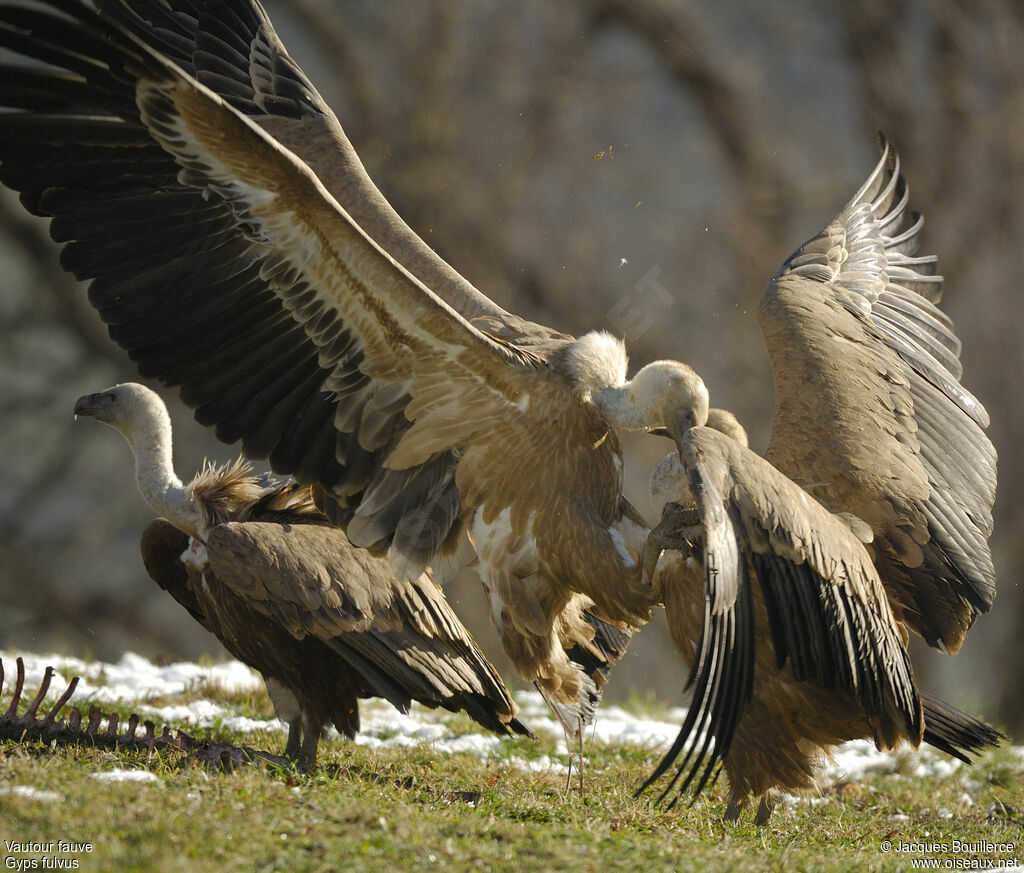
(793, 580)
(237, 249)
(897, 440)
(260, 567)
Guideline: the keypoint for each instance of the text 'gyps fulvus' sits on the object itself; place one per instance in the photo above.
(259, 566)
(795, 577)
(238, 250)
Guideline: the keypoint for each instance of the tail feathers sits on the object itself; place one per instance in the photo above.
(575, 716)
(605, 651)
(595, 659)
(955, 732)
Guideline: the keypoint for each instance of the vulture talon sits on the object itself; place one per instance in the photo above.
(678, 530)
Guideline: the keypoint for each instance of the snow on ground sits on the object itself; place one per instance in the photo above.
(132, 682)
(131, 679)
(118, 775)
(27, 791)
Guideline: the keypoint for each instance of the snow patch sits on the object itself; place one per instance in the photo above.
(205, 713)
(125, 776)
(133, 681)
(133, 678)
(31, 793)
(857, 758)
(543, 764)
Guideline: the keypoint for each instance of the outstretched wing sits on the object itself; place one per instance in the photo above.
(223, 265)
(870, 415)
(232, 48)
(403, 637)
(771, 555)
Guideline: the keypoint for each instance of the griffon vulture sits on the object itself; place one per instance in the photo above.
(793, 579)
(260, 567)
(237, 249)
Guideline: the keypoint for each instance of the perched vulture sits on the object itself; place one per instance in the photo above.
(237, 249)
(259, 566)
(792, 580)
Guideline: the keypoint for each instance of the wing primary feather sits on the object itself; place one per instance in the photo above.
(722, 672)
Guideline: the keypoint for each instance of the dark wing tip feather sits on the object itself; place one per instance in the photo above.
(956, 732)
(723, 672)
(832, 638)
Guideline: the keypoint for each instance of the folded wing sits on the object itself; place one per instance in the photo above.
(402, 637)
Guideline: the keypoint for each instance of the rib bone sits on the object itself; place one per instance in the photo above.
(29, 727)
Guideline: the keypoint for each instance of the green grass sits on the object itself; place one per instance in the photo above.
(389, 810)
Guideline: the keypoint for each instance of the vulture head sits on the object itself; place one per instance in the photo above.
(141, 417)
(130, 408)
(669, 481)
(664, 394)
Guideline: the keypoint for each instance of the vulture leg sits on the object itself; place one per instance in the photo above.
(678, 530)
(312, 727)
(764, 809)
(288, 709)
(291, 749)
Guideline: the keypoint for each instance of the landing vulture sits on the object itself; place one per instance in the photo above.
(259, 566)
(792, 580)
(237, 249)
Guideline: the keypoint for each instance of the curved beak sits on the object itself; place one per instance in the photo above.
(88, 405)
(678, 427)
(83, 405)
(676, 431)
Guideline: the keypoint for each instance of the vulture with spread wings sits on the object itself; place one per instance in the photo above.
(260, 567)
(791, 581)
(237, 249)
